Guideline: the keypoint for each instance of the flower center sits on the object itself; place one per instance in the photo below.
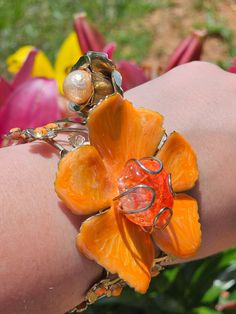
(146, 197)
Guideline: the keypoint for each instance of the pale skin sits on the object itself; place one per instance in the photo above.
(41, 270)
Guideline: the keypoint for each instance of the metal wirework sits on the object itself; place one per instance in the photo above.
(159, 215)
(67, 129)
(141, 165)
(134, 188)
(74, 120)
(162, 142)
(170, 184)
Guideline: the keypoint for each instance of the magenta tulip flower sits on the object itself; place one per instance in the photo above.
(91, 40)
(232, 67)
(190, 49)
(26, 101)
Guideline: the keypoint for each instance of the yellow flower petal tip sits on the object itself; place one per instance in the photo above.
(67, 56)
(42, 66)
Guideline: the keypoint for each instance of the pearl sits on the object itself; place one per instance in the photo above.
(78, 86)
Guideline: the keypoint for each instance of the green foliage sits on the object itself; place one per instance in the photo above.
(45, 24)
(191, 288)
(204, 310)
(217, 26)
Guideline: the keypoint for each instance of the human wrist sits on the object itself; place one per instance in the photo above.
(48, 272)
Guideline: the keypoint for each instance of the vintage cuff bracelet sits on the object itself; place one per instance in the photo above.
(128, 174)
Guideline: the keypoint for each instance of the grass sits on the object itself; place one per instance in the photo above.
(45, 24)
(216, 25)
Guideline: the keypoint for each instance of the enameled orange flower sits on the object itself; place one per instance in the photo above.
(87, 182)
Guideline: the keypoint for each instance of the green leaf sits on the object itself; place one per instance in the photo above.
(170, 304)
(204, 274)
(165, 279)
(211, 295)
(227, 278)
(204, 310)
(232, 295)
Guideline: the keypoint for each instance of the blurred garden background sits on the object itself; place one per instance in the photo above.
(146, 32)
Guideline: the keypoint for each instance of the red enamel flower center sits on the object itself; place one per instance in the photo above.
(145, 193)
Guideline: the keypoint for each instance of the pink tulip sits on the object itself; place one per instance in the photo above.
(5, 91)
(232, 67)
(91, 40)
(230, 305)
(25, 72)
(132, 74)
(88, 36)
(189, 49)
(109, 49)
(27, 102)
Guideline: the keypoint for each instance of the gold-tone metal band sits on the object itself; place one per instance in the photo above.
(111, 285)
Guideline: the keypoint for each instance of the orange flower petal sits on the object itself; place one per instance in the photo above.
(120, 132)
(180, 160)
(118, 245)
(82, 181)
(182, 237)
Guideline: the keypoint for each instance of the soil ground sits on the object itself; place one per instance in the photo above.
(172, 24)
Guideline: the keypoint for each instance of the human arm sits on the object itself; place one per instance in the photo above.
(199, 100)
(41, 270)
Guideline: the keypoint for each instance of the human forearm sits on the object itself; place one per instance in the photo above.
(198, 100)
(41, 269)
(40, 266)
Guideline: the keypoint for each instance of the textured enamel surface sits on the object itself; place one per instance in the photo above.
(180, 161)
(120, 132)
(83, 182)
(182, 237)
(87, 178)
(118, 245)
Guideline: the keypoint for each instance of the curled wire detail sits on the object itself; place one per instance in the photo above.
(155, 221)
(170, 184)
(141, 165)
(134, 188)
(47, 133)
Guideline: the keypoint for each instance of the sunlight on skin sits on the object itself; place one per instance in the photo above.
(198, 100)
(38, 233)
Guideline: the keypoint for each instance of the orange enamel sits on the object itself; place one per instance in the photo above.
(118, 245)
(180, 161)
(182, 237)
(82, 181)
(116, 292)
(120, 132)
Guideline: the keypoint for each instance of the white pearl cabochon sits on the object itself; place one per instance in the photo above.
(78, 86)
